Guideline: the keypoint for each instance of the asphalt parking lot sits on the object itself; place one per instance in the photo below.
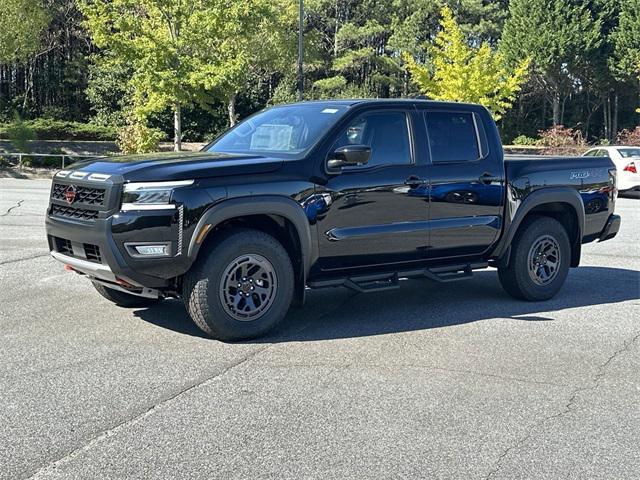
(454, 381)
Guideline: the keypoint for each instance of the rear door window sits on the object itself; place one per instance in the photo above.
(453, 137)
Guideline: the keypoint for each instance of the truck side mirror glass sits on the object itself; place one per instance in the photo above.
(349, 156)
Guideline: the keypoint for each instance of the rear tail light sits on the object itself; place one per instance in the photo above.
(631, 167)
(613, 183)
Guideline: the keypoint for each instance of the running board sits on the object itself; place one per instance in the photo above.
(369, 285)
(444, 276)
(391, 280)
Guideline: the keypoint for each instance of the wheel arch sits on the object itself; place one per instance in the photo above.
(281, 217)
(562, 203)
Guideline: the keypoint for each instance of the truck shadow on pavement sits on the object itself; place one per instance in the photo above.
(419, 305)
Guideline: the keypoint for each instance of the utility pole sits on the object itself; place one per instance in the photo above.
(300, 52)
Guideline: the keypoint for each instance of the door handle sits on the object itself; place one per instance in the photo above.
(487, 178)
(414, 181)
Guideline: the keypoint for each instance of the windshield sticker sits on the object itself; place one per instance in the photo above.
(272, 137)
(330, 110)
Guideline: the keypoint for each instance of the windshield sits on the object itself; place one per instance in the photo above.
(629, 152)
(287, 130)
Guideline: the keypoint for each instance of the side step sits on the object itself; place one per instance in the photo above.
(444, 275)
(391, 281)
(372, 284)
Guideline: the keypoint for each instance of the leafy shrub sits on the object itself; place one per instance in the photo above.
(524, 140)
(560, 139)
(137, 137)
(19, 134)
(50, 129)
(629, 137)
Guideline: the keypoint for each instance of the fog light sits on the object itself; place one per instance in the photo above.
(152, 249)
(161, 249)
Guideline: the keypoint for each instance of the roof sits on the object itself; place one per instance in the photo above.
(380, 101)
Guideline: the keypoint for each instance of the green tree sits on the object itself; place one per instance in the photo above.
(626, 42)
(22, 23)
(108, 90)
(362, 41)
(558, 36)
(459, 72)
(181, 53)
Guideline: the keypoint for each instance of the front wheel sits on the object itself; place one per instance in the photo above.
(241, 288)
(539, 262)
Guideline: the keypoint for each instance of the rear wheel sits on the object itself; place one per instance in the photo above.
(123, 299)
(241, 288)
(539, 262)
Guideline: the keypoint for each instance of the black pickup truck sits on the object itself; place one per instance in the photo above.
(345, 193)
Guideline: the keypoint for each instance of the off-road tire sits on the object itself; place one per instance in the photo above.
(516, 278)
(123, 299)
(203, 284)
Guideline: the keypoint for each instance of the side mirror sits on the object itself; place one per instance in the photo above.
(349, 156)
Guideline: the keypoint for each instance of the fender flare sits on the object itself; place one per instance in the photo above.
(539, 197)
(261, 205)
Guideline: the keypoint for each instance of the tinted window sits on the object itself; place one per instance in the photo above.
(629, 152)
(385, 132)
(590, 153)
(452, 137)
(282, 130)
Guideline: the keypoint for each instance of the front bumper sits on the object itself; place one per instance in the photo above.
(611, 228)
(110, 235)
(102, 274)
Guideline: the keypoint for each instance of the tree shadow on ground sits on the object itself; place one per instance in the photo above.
(419, 305)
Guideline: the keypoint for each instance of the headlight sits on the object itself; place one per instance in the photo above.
(150, 195)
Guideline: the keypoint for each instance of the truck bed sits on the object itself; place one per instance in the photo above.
(589, 176)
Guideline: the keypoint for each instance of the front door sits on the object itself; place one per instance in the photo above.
(376, 214)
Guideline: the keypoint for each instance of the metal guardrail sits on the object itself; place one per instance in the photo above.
(62, 155)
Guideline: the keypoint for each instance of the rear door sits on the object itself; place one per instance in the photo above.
(466, 188)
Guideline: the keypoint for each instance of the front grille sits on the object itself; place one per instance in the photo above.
(92, 252)
(72, 212)
(85, 195)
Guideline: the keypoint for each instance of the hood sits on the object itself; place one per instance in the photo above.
(177, 165)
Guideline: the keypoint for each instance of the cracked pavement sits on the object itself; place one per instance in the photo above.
(429, 381)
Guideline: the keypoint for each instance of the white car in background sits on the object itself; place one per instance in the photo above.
(627, 160)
